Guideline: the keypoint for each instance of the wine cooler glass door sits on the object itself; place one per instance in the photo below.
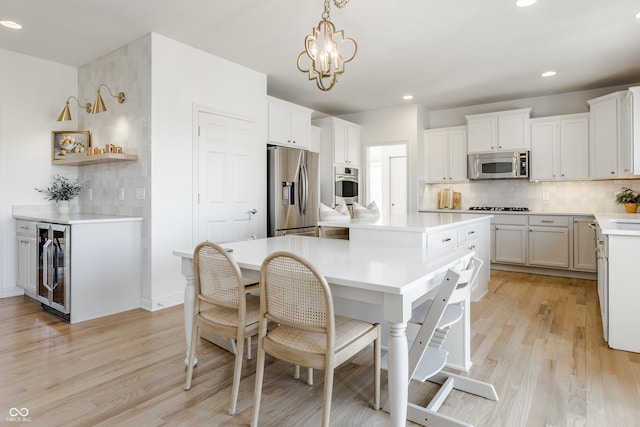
(54, 266)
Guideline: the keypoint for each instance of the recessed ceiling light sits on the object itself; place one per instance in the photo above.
(11, 24)
(638, 15)
(548, 74)
(407, 97)
(525, 3)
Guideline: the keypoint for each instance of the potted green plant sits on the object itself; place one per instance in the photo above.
(62, 191)
(629, 198)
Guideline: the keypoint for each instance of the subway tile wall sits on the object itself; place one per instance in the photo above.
(563, 196)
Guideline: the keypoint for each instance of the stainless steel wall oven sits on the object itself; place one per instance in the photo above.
(346, 182)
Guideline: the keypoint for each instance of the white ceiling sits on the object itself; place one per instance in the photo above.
(447, 53)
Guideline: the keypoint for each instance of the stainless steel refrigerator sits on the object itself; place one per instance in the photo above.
(292, 191)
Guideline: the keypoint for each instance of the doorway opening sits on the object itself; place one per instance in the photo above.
(386, 175)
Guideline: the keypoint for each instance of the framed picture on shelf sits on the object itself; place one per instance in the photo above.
(68, 144)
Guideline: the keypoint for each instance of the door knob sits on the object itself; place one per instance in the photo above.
(252, 211)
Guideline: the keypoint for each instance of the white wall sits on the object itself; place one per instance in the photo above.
(397, 124)
(184, 77)
(33, 95)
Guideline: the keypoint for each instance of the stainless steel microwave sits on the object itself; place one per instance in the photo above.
(498, 165)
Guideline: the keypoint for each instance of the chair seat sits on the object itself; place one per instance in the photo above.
(229, 316)
(347, 330)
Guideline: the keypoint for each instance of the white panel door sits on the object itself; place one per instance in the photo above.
(397, 185)
(227, 179)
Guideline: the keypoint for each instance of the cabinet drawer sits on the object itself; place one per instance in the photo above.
(468, 232)
(549, 220)
(26, 228)
(441, 239)
(509, 219)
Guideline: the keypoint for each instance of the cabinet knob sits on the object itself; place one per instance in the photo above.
(613, 173)
(561, 174)
(472, 247)
(471, 232)
(448, 239)
(500, 147)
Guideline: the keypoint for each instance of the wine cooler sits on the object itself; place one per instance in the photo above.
(54, 268)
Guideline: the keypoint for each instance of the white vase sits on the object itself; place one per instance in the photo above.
(64, 206)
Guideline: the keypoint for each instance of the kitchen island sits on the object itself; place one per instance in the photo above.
(618, 283)
(435, 230)
(392, 279)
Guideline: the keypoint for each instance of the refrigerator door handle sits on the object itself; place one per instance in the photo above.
(305, 197)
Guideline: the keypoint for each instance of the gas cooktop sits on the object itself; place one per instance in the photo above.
(499, 208)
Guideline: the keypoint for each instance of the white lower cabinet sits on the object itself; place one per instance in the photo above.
(584, 244)
(549, 245)
(509, 239)
(544, 241)
(26, 256)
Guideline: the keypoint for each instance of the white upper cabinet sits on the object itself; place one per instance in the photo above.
(289, 124)
(342, 138)
(560, 147)
(631, 154)
(446, 151)
(607, 142)
(500, 131)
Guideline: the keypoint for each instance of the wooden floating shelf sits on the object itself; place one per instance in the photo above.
(96, 160)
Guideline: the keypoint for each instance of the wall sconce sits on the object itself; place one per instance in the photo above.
(66, 113)
(98, 105)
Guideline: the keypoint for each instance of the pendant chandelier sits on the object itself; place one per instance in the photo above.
(325, 48)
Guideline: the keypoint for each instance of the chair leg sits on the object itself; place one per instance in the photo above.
(257, 392)
(309, 376)
(376, 373)
(328, 392)
(195, 329)
(237, 372)
(296, 372)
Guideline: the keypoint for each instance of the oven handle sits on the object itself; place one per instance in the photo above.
(45, 264)
(514, 166)
(346, 178)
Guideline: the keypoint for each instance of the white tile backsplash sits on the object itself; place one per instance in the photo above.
(564, 196)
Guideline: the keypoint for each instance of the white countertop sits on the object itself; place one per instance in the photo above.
(343, 262)
(73, 218)
(618, 228)
(476, 212)
(415, 222)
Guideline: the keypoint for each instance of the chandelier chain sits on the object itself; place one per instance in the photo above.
(325, 14)
(339, 3)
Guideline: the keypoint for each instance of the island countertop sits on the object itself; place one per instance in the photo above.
(618, 223)
(414, 222)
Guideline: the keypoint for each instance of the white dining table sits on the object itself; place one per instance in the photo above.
(389, 277)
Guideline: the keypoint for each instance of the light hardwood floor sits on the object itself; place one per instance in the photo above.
(538, 339)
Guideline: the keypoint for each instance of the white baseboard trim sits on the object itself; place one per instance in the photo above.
(545, 271)
(13, 291)
(161, 303)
